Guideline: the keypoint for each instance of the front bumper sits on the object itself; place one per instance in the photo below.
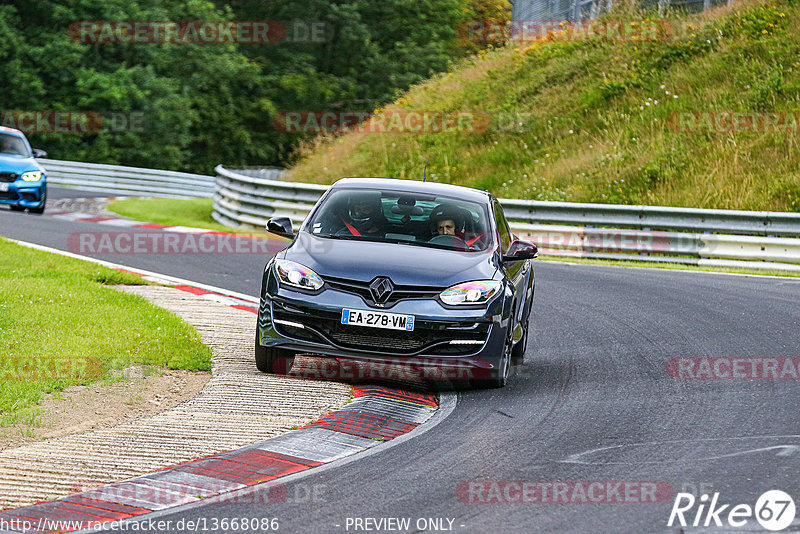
(23, 194)
(311, 324)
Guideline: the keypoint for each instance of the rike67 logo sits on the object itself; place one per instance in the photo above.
(774, 510)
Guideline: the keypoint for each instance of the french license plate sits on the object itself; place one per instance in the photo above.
(376, 319)
(3, 186)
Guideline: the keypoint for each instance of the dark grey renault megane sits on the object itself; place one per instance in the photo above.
(403, 272)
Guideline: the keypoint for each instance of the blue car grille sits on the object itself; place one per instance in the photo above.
(8, 177)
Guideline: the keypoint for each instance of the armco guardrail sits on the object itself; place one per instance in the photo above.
(652, 233)
(763, 223)
(128, 180)
(242, 198)
(660, 246)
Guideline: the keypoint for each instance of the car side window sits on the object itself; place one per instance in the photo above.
(502, 227)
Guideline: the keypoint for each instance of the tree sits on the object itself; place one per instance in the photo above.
(192, 106)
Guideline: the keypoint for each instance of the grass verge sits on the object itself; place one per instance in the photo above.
(195, 213)
(672, 266)
(61, 325)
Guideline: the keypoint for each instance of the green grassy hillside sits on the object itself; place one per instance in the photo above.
(596, 121)
(60, 326)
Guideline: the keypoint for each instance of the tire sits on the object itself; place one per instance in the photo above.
(14, 207)
(40, 209)
(518, 352)
(273, 360)
(498, 377)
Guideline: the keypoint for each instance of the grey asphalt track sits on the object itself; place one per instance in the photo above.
(56, 192)
(594, 402)
(240, 273)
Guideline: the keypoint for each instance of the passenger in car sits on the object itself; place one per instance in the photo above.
(365, 214)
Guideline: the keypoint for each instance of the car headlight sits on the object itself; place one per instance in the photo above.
(469, 293)
(294, 274)
(32, 176)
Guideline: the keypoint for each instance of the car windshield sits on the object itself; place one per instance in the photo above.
(11, 144)
(406, 218)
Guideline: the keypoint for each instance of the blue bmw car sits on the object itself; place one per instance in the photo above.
(23, 182)
(399, 272)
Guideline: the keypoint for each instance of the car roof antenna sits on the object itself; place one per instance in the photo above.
(425, 172)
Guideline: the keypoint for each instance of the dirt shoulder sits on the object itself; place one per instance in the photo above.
(143, 392)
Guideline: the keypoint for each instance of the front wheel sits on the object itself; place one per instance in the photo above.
(273, 360)
(498, 377)
(15, 207)
(40, 209)
(518, 352)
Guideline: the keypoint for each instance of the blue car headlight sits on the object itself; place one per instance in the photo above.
(32, 176)
(471, 293)
(295, 274)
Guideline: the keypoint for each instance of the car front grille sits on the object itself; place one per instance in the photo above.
(8, 177)
(373, 338)
(432, 337)
(399, 292)
(8, 195)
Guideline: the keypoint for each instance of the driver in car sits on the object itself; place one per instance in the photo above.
(6, 146)
(446, 227)
(449, 220)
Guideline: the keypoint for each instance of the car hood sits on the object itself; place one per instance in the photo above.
(18, 164)
(404, 264)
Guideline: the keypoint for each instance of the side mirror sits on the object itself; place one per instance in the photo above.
(521, 250)
(39, 153)
(281, 226)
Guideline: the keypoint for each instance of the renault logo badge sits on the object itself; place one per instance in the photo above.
(380, 289)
